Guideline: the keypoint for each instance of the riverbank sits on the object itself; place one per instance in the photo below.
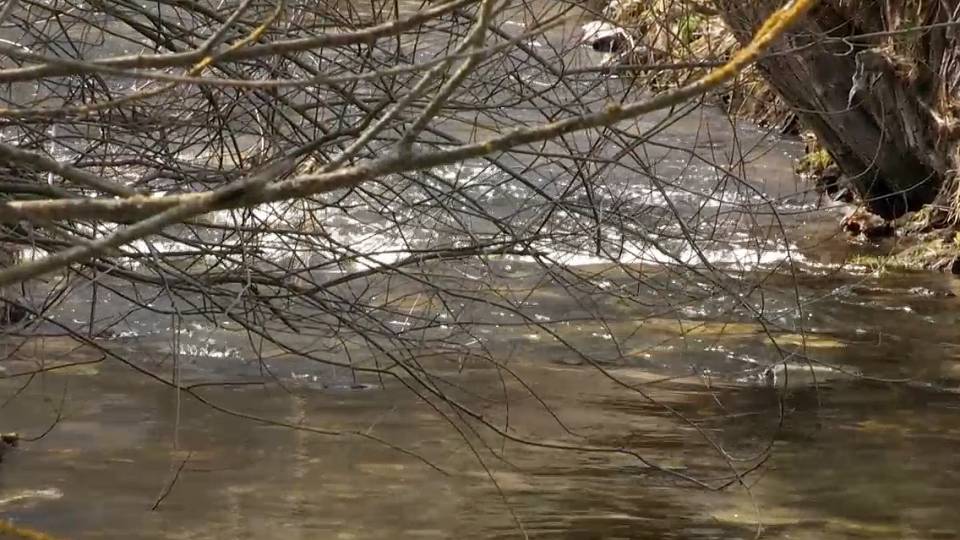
(690, 34)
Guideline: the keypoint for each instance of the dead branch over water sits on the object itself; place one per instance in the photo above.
(350, 184)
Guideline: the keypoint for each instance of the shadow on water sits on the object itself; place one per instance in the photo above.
(101, 470)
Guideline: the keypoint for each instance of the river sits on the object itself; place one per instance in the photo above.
(582, 394)
(852, 456)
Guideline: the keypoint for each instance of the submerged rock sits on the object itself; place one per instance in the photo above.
(11, 312)
(8, 440)
(832, 183)
(606, 37)
(793, 374)
(861, 222)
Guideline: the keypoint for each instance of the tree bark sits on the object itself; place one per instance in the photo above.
(883, 106)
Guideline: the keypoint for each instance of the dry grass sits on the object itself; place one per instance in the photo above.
(683, 31)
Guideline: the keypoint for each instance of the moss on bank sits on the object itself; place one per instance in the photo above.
(916, 251)
(814, 162)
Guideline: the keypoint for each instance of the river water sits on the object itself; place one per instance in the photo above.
(833, 414)
(853, 458)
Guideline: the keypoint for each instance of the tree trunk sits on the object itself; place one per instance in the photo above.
(884, 107)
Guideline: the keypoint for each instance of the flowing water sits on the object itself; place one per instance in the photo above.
(853, 458)
(865, 448)
(847, 429)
